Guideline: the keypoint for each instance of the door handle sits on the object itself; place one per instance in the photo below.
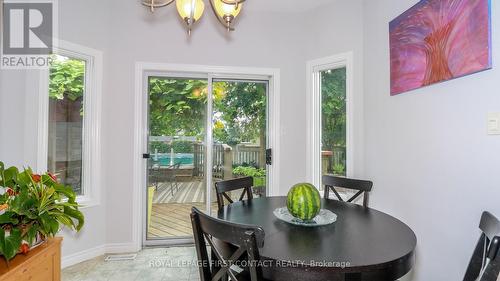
(146, 155)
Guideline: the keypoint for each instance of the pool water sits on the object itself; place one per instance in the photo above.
(164, 158)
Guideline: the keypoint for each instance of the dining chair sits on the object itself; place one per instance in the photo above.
(485, 262)
(170, 177)
(223, 187)
(361, 186)
(246, 238)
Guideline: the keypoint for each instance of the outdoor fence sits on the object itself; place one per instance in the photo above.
(225, 157)
(248, 154)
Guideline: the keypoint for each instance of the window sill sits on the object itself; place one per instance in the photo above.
(86, 201)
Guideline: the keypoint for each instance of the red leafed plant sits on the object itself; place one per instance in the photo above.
(33, 207)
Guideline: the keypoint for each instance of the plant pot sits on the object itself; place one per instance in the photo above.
(39, 240)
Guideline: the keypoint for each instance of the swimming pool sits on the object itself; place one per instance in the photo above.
(163, 159)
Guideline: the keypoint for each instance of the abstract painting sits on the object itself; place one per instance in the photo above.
(439, 40)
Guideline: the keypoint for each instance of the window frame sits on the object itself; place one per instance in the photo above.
(314, 97)
(91, 150)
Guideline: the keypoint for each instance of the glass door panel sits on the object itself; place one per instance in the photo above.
(239, 124)
(176, 165)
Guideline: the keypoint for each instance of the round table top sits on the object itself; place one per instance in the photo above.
(364, 238)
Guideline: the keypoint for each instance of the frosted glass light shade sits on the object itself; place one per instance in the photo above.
(227, 10)
(184, 8)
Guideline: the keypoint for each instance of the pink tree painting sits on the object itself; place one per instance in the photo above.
(438, 40)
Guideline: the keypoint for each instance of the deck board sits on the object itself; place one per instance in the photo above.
(170, 214)
(172, 219)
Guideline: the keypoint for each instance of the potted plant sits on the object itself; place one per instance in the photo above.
(33, 208)
(259, 177)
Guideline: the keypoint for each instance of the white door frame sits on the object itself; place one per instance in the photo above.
(313, 69)
(141, 129)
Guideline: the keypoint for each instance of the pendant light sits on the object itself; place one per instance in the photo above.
(226, 12)
(192, 10)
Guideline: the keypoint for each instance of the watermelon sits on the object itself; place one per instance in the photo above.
(303, 201)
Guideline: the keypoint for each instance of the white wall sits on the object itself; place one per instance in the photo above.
(87, 23)
(81, 22)
(277, 40)
(427, 151)
(266, 40)
(12, 115)
(334, 29)
(126, 32)
(433, 165)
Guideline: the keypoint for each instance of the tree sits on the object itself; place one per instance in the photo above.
(333, 105)
(240, 113)
(177, 106)
(66, 78)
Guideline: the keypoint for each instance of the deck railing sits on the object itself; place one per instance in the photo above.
(248, 154)
(225, 157)
(218, 160)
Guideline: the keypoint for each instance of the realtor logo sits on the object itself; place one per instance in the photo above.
(28, 29)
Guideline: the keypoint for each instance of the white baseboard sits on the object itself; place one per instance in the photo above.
(82, 256)
(115, 248)
(91, 253)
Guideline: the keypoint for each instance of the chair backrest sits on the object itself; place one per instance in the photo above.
(246, 238)
(154, 173)
(485, 262)
(222, 187)
(361, 186)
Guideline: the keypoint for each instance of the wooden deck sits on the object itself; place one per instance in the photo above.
(181, 192)
(172, 219)
(170, 210)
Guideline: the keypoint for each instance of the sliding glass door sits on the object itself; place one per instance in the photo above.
(239, 120)
(186, 115)
(176, 144)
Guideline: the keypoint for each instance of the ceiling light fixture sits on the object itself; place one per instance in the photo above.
(191, 10)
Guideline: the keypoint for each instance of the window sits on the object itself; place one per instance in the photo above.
(66, 112)
(330, 149)
(69, 126)
(333, 121)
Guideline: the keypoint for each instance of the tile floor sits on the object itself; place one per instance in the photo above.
(152, 264)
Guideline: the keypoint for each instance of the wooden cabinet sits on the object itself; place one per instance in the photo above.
(41, 264)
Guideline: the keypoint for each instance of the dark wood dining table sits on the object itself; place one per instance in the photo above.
(363, 243)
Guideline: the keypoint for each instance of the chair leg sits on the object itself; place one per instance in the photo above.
(172, 189)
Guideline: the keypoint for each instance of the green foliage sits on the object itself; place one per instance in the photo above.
(259, 175)
(339, 169)
(9, 244)
(333, 91)
(249, 171)
(34, 204)
(177, 106)
(66, 78)
(242, 112)
(245, 164)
